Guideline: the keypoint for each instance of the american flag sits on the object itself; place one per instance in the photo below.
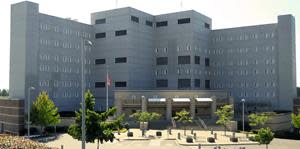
(108, 80)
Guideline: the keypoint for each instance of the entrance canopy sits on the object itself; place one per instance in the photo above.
(181, 100)
(156, 99)
(204, 99)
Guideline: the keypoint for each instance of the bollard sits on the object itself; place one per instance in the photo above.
(178, 136)
(247, 135)
(211, 132)
(170, 131)
(195, 136)
(199, 146)
(192, 131)
(219, 146)
(215, 136)
(233, 134)
(62, 147)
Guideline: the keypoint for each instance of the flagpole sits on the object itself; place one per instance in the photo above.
(106, 87)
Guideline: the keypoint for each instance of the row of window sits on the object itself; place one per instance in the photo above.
(150, 23)
(117, 84)
(182, 83)
(257, 94)
(66, 31)
(61, 44)
(76, 70)
(117, 33)
(57, 83)
(248, 36)
(117, 60)
(181, 60)
(242, 84)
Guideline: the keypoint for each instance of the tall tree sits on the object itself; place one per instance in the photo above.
(4, 92)
(184, 117)
(98, 127)
(258, 119)
(296, 120)
(145, 117)
(264, 136)
(225, 115)
(44, 112)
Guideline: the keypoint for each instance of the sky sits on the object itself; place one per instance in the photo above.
(224, 14)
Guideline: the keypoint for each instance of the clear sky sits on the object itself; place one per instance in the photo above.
(224, 14)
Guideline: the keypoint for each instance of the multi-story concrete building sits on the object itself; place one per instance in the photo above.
(176, 51)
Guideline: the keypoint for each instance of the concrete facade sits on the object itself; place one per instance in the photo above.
(140, 51)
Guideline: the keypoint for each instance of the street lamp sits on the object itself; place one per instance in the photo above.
(243, 102)
(28, 110)
(83, 43)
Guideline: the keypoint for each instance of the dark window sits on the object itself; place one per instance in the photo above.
(206, 25)
(207, 84)
(197, 83)
(99, 84)
(149, 23)
(184, 21)
(207, 62)
(162, 83)
(100, 21)
(100, 35)
(184, 59)
(121, 60)
(99, 61)
(197, 59)
(162, 23)
(135, 19)
(162, 61)
(184, 83)
(120, 84)
(121, 32)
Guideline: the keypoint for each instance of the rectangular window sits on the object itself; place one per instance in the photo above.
(162, 61)
(184, 21)
(121, 33)
(120, 84)
(184, 59)
(184, 83)
(162, 83)
(99, 84)
(121, 60)
(206, 25)
(207, 84)
(197, 59)
(100, 35)
(99, 61)
(149, 23)
(197, 83)
(162, 23)
(207, 62)
(100, 21)
(135, 19)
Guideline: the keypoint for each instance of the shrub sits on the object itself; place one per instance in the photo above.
(129, 134)
(189, 139)
(211, 140)
(158, 133)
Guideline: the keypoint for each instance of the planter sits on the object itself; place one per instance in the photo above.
(233, 139)
(189, 139)
(129, 134)
(211, 140)
(158, 134)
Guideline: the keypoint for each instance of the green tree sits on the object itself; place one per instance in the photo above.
(184, 117)
(98, 127)
(225, 115)
(264, 136)
(258, 119)
(44, 112)
(143, 117)
(4, 92)
(296, 120)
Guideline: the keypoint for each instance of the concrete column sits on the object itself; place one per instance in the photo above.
(213, 107)
(119, 105)
(169, 108)
(192, 107)
(144, 104)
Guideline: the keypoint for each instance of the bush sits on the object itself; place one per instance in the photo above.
(158, 133)
(189, 139)
(129, 134)
(211, 140)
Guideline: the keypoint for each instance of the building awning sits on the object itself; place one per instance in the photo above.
(181, 99)
(156, 99)
(204, 99)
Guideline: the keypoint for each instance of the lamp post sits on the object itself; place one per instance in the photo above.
(243, 102)
(28, 110)
(83, 43)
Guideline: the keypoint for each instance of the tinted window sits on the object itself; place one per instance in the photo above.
(197, 83)
(206, 25)
(99, 84)
(162, 23)
(120, 84)
(207, 62)
(197, 59)
(184, 83)
(100, 21)
(149, 23)
(100, 35)
(135, 19)
(184, 59)
(162, 61)
(184, 21)
(207, 84)
(121, 60)
(121, 32)
(162, 83)
(99, 61)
